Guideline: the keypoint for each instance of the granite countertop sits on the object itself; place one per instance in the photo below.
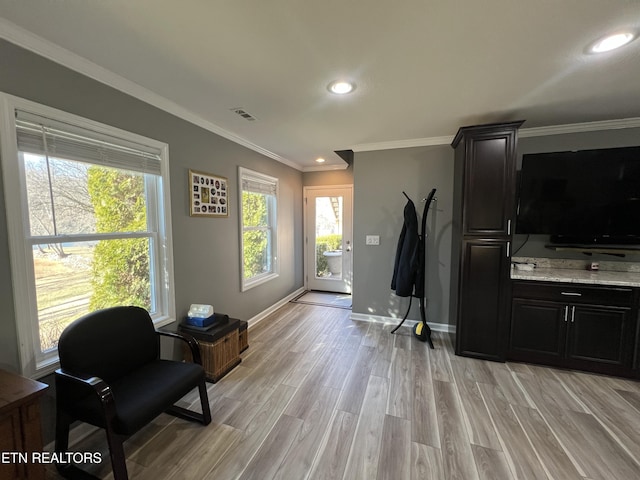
(610, 273)
(625, 279)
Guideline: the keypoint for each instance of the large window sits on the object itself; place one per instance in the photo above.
(258, 239)
(89, 227)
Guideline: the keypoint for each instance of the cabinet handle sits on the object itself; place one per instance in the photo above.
(573, 314)
(566, 312)
(508, 249)
(572, 294)
(509, 227)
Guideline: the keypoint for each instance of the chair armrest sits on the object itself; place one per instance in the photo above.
(190, 341)
(97, 385)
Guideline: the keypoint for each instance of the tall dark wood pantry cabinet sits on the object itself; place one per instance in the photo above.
(483, 215)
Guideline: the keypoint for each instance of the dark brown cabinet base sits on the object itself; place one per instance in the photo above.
(484, 299)
(538, 331)
(483, 210)
(580, 327)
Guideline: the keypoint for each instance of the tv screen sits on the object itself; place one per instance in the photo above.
(582, 197)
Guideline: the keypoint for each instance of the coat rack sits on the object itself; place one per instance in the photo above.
(419, 258)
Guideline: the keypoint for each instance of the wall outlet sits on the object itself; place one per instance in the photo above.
(373, 240)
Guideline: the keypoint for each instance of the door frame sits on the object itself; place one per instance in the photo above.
(305, 220)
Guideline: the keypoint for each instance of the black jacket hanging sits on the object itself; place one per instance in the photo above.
(407, 254)
(422, 248)
(409, 270)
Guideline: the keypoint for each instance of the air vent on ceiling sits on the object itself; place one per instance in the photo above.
(243, 113)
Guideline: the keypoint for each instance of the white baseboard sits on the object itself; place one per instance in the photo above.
(436, 327)
(265, 313)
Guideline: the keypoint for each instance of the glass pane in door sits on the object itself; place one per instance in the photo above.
(328, 247)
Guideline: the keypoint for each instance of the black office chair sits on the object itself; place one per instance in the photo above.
(111, 376)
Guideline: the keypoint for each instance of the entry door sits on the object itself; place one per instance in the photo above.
(328, 237)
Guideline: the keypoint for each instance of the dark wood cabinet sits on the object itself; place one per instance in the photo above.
(483, 210)
(600, 334)
(636, 355)
(586, 328)
(538, 331)
(484, 299)
(489, 182)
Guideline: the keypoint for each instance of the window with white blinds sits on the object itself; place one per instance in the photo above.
(258, 217)
(90, 223)
(41, 136)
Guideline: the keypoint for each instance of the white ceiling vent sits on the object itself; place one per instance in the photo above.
(243, 113)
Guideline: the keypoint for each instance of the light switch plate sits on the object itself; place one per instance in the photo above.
(373, 240)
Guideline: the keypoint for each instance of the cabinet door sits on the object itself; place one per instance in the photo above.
(483, 292)
(489, 185)
(538, 331)
(600, 334)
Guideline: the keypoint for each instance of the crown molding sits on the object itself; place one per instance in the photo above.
(633, 122)
(325, 168)
(36, 44)
(621, 123)
(414, 142)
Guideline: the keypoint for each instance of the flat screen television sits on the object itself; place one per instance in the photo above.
(583, 197)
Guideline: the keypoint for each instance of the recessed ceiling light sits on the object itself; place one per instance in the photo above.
(611, 42)
(320, 160)
(341, 87)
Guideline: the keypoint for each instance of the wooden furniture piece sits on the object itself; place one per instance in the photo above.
(243, 335)
(20, 426)
(636, 355)
(111, 376)
(219, 348)
(483, 212)
(574, 326)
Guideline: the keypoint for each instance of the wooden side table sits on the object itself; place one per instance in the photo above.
(219, 348)
(20, 427)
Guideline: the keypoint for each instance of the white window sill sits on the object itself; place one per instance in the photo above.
(254, 282)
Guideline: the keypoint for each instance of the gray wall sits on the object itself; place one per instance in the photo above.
(331, 177)
(379, 179)
(206, 251)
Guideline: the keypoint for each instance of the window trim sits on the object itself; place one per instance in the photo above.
(22, 272)
(252, 175)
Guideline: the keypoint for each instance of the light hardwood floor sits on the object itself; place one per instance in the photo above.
(319, 396)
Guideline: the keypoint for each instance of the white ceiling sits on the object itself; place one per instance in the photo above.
(422, 67)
